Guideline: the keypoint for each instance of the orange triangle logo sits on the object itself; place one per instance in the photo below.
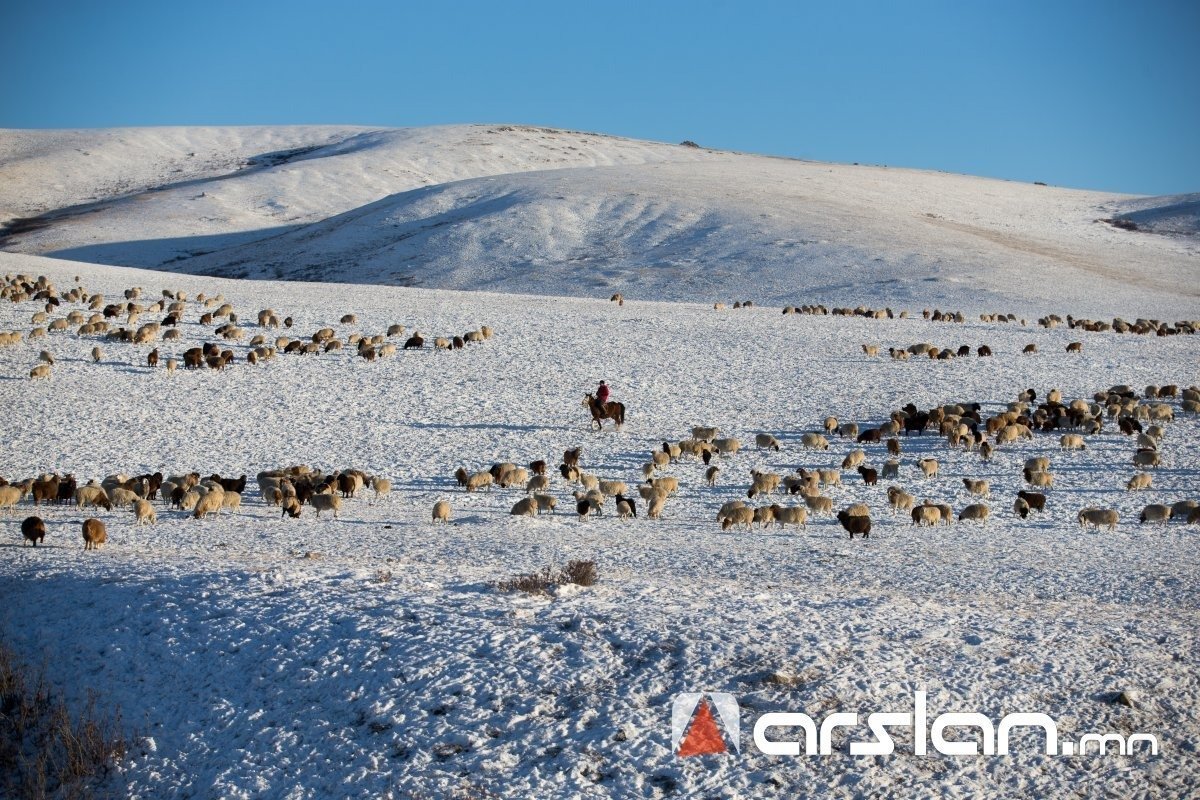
(703, 736)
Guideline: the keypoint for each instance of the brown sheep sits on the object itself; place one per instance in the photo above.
(855, 524)
(94, 534)
(870, 476)
(34, 530)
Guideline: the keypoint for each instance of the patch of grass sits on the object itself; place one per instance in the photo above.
(45, 751)
(582, 573)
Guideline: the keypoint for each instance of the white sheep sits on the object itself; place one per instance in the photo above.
(727, 447)
(326, 502)
(766, 440)
(612, 488)
(891, 469)
(667, 485)
(40, 372)
(978, 487)
(854, 459)
(705, 434)
(546, 502)
(1140, 480)
(899, 499)
(1097, 517)
(819, 504)
(763, 483)
(738, 516)
(814, 441)
(538, 483)
(830, 477)
(976, 511)
(526, 507)
(654, 507)
(1072, 441)
(1147, 458)
(231, 500)
(929, 467)
(10, 496)
(791, 515)
(209, 503)
(120, 498)
(441, 511)
(144, 513)
(1155, 512)
(479, 480)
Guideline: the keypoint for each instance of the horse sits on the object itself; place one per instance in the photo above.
(602, 411)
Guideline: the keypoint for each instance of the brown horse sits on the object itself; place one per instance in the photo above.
(602, 411)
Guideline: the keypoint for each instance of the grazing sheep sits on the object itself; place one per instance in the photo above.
(326, 502)
(121, 497)
(975, 511)
(381, 486)
(46, 357)
(90, 495)
(1147, 458)
(1097, 517)
(1029, 349)
(660, 458)
(831, 425)
(790, 515)
(891, 468)
(765, 515)
(291, 507)
(655, 506)
(94, 534)
(97, 354)
(710, 475)
(414, 342)
(870, 476)
(589, 482)
(1155, 512)
(854, 523)
(441, 511)
(513, 476)
(929, 467)
(853, 459)
(539, 483)
(144, 513)
(480, 480)
(526, 507)
(1042, 480)
(830, 477)
(727, 447)
(546, 502)
(871, 350)
(612, 488)
(1072, 441)
(1075, 347)
(1021, 508)
(210, 503)
(231, 500)
(926, 515)
(766, 440)
(626, 506)
(41, 371)
(738, 516)
(1183, 509)
(1035, 500)
(763, 483)
(819, 504)
(814, 441)
(979, 487)
(668, 485)
(846, 430)
(1139, 481)
(33, 529)
(705, 434)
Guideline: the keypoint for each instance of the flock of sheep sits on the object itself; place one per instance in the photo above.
(1144, 418)
(95, 317)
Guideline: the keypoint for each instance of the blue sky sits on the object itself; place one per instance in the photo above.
(1100, 95)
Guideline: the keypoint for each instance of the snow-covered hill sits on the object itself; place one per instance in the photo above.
(518, 209)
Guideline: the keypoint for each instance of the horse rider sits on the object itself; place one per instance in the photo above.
(602, 393)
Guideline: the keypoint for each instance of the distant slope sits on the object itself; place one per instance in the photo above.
(1175, 214)
(533, 210)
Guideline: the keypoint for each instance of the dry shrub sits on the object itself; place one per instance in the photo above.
(582, 573)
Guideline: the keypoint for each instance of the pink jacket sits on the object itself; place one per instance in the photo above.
(602, 394)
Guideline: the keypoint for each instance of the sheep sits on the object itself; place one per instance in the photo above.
(978, 487)
(46, 357)
(790, 515)
(830, 477)
(97, 354)
(94, 534)
(1038, 464)
(655, 505)
(870, 476)
(1029, 349)
(858, 510)
(871, 350)
(846, 430)
(441, 511)
(546, 502)
(705, 434)
(763, 483)
(853, 459)
(1072, 441)
(326, 502)
(33, 529)
(814, 441)
(1155, 512)
(855, 524)
(929, 467)
(538, 483)
(479, 480)
(1193, 516)
(727, 447)
(612, 488)
(975, 511)
(1042, 480)
(1097, 517)
(926, 515)
(899, 499)
(1183, 509)
(1035, 500)
(414, 342)
(666, 485)
(660, 458)
(209, 503)
(765, 515)
(91, 495)
(537, 467)
(710, 475)
(819, 504)
(891, 468)
(738, 516)
(1147, 458)
(381, 486)
(571, 457)
(626, 507)
(40, 372)
(121, 497)
(231, 500)
(831, 425)
(1140, 480)
(766, 440)
(144, 513)
(1075, 347)
(589, 482)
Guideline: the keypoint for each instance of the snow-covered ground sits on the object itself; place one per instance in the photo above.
(371, 656)
(541, 211)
